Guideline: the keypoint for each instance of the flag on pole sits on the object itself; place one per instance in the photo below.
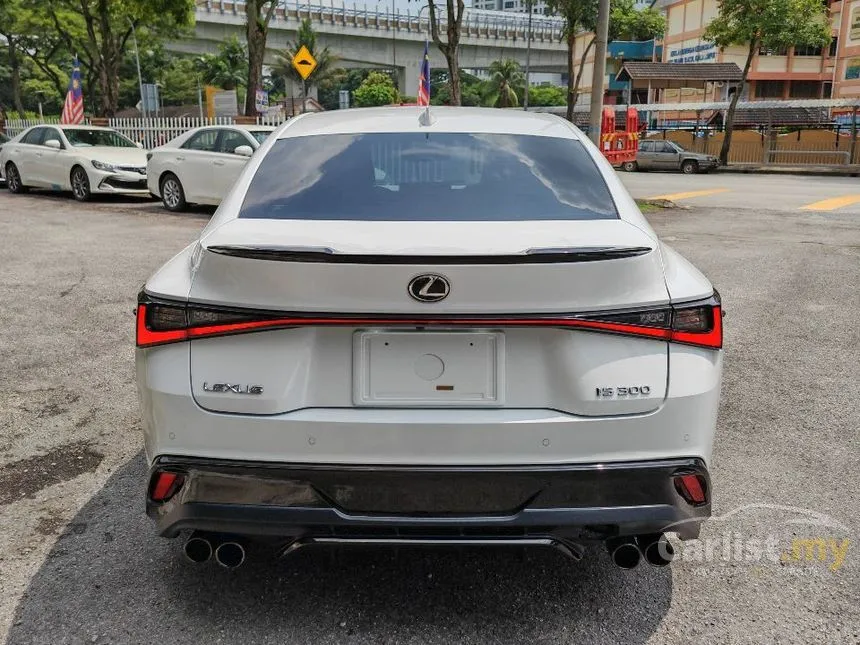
(73, 109)
(424, 78)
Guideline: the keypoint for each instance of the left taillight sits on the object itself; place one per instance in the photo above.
(164, 485)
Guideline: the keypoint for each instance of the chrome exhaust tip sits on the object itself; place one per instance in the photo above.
(658, 551)
(230, 555)
(197, 548)
(624, 553)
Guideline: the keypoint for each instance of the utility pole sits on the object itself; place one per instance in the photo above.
(139, 76)
(531, 6)
(601, 35)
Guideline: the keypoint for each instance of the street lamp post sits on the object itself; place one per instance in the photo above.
(139, 75)
(531, 6)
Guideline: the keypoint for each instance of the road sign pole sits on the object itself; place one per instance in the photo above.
(304, 95)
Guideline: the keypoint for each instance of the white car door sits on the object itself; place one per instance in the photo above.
(53, 162)
(24, 155)
(193, 165)
(226, 164)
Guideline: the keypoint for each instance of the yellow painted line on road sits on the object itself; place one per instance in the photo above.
(693, 193)
(832, 204)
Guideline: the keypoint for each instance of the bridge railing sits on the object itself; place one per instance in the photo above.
(477, 23)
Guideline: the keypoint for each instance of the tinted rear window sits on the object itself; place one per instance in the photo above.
(425, 176)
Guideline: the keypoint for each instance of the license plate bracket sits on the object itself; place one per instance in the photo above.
(456, 368)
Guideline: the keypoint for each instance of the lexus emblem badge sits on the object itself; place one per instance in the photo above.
(429, 287)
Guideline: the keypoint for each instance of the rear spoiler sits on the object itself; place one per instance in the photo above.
(529, 256)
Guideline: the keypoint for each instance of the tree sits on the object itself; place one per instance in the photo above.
(258, 15)
(578, 15)
(450, 48)
(227, 68)
(471, 88)
(546, 95)
(765, 23)
(336, 80)
(376, 89)
(626, 22)
(98, 31)
(506, 77)
(307, 37)
(10, 10)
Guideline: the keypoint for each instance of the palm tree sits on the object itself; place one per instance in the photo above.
(506, 77)
(325, 59)
(226, 69)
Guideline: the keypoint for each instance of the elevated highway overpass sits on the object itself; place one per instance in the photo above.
(366, 37)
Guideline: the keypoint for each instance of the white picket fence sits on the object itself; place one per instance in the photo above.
(150, 132)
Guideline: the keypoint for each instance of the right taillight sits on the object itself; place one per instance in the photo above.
(699, 324)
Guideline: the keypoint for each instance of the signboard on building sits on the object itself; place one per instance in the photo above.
(852, 69)
(701, 53)
(854, 32)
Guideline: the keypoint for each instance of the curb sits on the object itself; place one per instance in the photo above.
(812, 171)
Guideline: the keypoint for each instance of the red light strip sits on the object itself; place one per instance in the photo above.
(163, 485)
(712, 338)
(149, 338)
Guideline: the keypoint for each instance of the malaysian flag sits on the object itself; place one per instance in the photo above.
(73, 109)
(424, 78)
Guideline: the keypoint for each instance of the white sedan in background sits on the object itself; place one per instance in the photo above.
(200, 166)
(80, 158)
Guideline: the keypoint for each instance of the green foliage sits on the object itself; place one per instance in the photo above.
(506, 77)
(326, 61)
(328, 92)
(471, 88)
(376, 89)
(228, 68)
(547, 95)
(770, 23)
(628, 23)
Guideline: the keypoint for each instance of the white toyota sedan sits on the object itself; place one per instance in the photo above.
(452, 328)
(201, 165)
(83, 159)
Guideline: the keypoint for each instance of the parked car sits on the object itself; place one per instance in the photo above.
(83, 159)
(200, 166)
(668, 155)
(3, 139)
(454, 328)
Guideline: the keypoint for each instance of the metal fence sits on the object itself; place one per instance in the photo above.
(150, 132)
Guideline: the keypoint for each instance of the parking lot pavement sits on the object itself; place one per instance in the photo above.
(80, 562)
(739, 191)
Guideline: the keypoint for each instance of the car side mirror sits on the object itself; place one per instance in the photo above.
(139, 145)
(245, 151)
(53, 143)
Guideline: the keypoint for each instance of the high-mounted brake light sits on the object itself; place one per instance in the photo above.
(699, 323)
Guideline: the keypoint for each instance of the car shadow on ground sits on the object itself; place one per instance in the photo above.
(109, 579)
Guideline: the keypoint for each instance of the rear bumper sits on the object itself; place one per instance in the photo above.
(579, 501)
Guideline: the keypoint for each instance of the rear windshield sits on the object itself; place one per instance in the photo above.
(424, 176)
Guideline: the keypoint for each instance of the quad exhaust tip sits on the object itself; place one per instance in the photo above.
(230, 555)
(198, 549)
(626, 552)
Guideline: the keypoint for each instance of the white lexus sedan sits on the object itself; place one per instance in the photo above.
(201, 165)
(443, 329)
(83, 159)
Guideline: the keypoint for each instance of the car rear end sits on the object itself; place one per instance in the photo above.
(459, 331)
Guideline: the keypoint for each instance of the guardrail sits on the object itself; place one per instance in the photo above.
(844, 154)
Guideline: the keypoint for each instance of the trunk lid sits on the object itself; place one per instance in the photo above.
(493, 268)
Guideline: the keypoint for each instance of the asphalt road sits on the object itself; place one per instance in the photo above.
(749, 191)
(79, 561)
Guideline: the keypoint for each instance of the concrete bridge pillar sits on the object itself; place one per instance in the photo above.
(407, 78)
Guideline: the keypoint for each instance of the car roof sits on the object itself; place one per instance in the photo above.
(80, 126)
(443, 119)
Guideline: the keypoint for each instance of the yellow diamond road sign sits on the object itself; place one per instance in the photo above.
(304, 62)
